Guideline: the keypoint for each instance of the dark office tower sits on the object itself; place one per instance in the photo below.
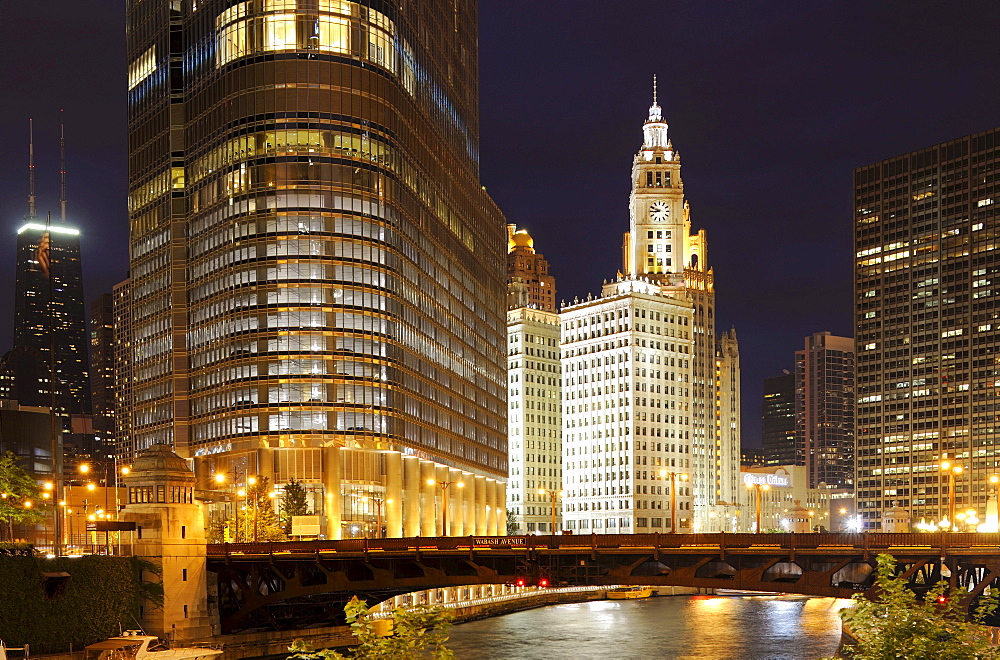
(123, 369)
(824, 412)
(314, 261)
(102, 366)
(777, 414)
(40, 324)
(927, 287)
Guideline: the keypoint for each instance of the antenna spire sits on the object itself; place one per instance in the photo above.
(654, 89)
(31, 169)
(62, 167)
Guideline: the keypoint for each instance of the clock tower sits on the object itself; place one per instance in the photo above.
(655, 247)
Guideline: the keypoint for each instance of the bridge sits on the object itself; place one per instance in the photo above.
(297, 584)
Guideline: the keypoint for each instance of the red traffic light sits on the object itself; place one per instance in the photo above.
(543, 582)
(520, 582)
(942, 599)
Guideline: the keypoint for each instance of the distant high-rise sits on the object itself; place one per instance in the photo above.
(40, 325)
(534, 407)
(102, 367)
(315, 265)
(528, 281)
(123, 372)
(824, 412)
(50, 328)
(777, 414)
(927, 308)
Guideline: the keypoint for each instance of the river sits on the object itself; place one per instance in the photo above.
(675, 627)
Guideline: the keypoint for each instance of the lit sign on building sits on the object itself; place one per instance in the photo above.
(768, 479)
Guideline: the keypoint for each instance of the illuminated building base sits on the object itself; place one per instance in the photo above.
(364, 493)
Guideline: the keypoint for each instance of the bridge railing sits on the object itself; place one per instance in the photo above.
(869, 542)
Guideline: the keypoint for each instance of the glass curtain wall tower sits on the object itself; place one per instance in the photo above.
(927, 310)
(314, 261)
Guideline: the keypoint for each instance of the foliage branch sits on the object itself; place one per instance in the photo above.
(418, 632)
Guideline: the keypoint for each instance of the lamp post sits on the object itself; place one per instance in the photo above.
(553, 494)
(252, 481)
(673, 495)
(444, 500)
(952, 471)
(220, 479)
(239, 493)
(378, 502)
(758, 488)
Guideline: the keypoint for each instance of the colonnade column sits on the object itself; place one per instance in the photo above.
(469, 504)
(411, 499)
(491, 502)
(440, 476)
(393, 501)
(456, 502)
(265, 465)
(480, 504)
(428, 491)
(203, 475)
(331, 492)
(502, 509)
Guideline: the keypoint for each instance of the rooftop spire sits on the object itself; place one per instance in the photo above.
(62, 167)
(655, 114)
(655, 130)
(31, 169)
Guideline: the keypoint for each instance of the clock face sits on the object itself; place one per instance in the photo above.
(659, 211)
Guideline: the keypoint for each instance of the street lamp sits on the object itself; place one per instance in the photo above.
(239, 493)
(378, 502)
(952, 471)
(444, 500)
(553, 494)
(758, 488)
(673, 495)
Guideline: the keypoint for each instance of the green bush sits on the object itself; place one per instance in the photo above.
(100, 599)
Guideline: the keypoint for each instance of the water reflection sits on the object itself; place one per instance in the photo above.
(702, 627)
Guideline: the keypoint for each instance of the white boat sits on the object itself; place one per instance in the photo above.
(133, 645)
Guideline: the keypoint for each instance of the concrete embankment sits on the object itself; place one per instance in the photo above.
(545, 598)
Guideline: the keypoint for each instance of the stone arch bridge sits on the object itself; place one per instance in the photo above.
(298, 584)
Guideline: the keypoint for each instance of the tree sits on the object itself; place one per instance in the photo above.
(417, 632)
(258, 521)
(293, 503)
(899, 624)
(512, 526)
(20, 496)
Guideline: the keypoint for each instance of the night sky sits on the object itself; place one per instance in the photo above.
(771, 104)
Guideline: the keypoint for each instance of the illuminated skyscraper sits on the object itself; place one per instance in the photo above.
(317, 276)
(927, 309)
(50, 314)
(650, 395)
(534, 406)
